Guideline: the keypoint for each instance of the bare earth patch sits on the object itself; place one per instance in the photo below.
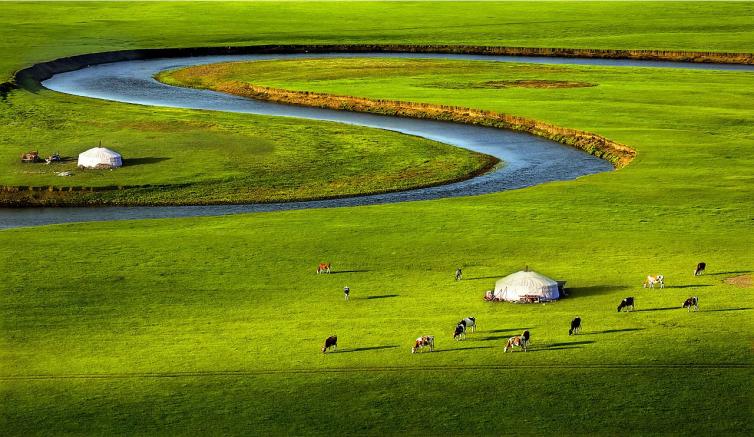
(743, 281)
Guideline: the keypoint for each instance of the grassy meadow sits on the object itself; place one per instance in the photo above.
(176, 156)
(214, 325)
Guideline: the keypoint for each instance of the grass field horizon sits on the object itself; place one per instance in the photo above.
(214, 325)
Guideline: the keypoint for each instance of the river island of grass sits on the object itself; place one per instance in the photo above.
(188, 157)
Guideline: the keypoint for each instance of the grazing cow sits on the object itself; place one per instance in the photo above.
(575, 326)
(521, 341)
(323, 268)
(626, 303)
(423, 341)
(652, 280)
(469, 322)
(700, 269)
(692, 302)
(460, 332)
(330, 342)
(459, 274)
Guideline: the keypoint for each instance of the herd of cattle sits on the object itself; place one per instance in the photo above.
(522, 341)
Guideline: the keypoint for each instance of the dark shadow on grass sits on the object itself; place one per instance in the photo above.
(495, 337)
(593, 289)
(689, 286)
(142, 161)
(463, 349)
(740, 272)
(610, 331)
(362, 349)
(570, 343)
(383, 296)
(518, 330)
(556, 348)
(349, 271)
(485, 277)
(725, 309)
(659, 309)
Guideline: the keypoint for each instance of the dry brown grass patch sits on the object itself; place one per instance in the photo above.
(742, 281)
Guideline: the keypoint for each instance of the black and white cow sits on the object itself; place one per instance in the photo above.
(575, 326)
(700, 269)
(692, 302)
(521, 341)
(459, 333)
(627, 303)
(422, 342)
(330, 342)
(465, 324)
(469, 322)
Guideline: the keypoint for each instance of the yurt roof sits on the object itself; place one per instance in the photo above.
(525, 279)
(99, 152)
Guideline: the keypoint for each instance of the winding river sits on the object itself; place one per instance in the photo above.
(528, 160)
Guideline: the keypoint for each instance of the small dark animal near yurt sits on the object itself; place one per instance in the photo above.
(575, 326)
(627, 303)
(330, 342)
(700, 269)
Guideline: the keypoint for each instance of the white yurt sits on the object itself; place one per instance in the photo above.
(100, 157)
(526, 286)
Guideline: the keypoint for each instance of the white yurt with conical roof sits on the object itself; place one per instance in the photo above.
(526, 286)
(100, 157)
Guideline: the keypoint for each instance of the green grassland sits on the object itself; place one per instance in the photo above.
(175, 156)
(213, 325)
(84, 27)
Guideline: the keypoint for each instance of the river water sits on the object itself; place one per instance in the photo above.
(528, 160)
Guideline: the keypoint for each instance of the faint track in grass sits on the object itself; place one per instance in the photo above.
(336, 370)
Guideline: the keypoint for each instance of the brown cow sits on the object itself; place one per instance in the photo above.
(423, 341)
(323, 268)
(521, 341)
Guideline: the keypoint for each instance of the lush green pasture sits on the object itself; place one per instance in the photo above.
(678, 120)
(211, 157)
(240, 295)
(213, 325)
(86, 27)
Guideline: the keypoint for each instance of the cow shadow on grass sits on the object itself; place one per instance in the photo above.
(611, 331)
(478, 278)
(496, 337)
(689, 286)
(659, 309)
(519, 330)
(349, 271)
(593, 289)
(363, 349)
(462, 349)
(382, 296)
(727, 309)
(560, 346)
(130, 162)
(569, 343)
(740, 272)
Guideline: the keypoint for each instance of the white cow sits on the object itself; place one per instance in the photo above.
(652, 280)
